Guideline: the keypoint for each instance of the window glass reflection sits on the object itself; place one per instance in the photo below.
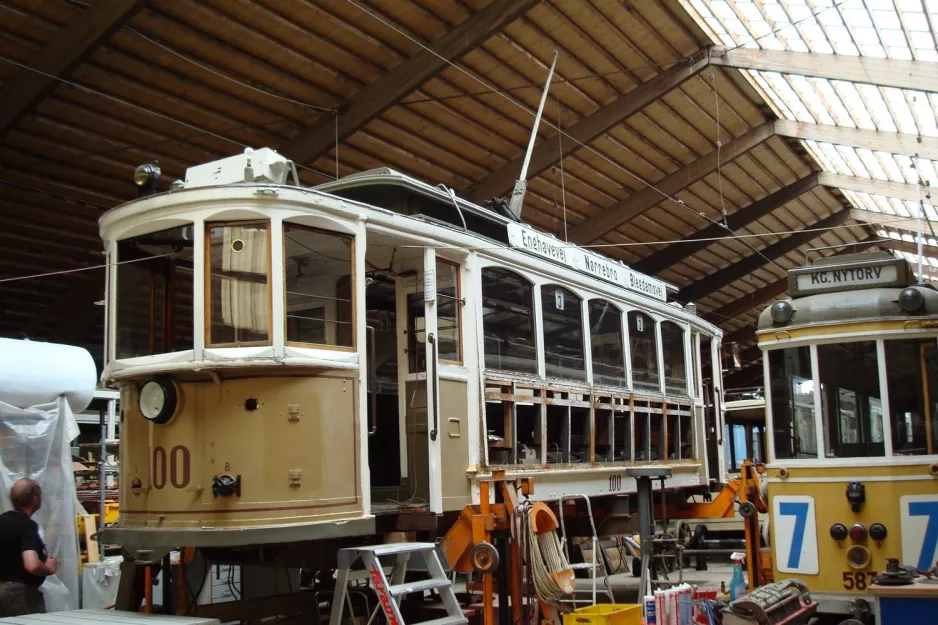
(912, 377)
(606, 344)
(675, 368)
(643, 350)
(793, 418)
(853, 412)
(508, 321)
(563, 333)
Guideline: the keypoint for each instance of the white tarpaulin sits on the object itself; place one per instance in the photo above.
(40, 385)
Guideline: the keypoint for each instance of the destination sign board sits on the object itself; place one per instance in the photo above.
(846, 277)
(549, 247)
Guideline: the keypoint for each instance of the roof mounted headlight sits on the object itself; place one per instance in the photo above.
(147, 178)
(158, 400)
(782, 311)
(911, 300)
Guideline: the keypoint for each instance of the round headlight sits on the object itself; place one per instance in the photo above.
(858, 557)
(911, 300)
(782, 311)
(144, 174)
(158, 401)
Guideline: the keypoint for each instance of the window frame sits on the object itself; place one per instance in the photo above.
(208, 228)
(534, 317)
(459, 306)
(656, 320)
(584, 335)
(623, 328)
(353, 275)
(688, 373)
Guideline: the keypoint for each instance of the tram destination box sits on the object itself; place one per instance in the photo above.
(885, 271)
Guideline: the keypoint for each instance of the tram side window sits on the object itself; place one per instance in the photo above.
(447, 318)
(238, 289)
(850, 400)
(672, 348)
(912, 377)
(508, 321)
(644, 351)
(318, 286)
(793, 418)
(154, 294)
(606, 344)
(563, 333)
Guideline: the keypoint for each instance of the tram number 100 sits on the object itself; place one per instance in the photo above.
(615, 483)
(176, 464)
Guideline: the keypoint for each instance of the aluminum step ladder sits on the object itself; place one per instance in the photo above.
(598, 557)
(389, 592)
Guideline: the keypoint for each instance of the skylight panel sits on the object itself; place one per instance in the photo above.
(840, 166)
(857, 168)
(893, 170)
(769, 91)
(917, 24)
(872, 98)
(886, 20)
(872, 164)
(819, 154)
(829, 96)
(923, 114)
(787, 95)
(900, 110)
(749, 11)
(812, 101)
(856, 18)
(775, 12)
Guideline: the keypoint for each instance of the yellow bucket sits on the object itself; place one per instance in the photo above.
(606, 614)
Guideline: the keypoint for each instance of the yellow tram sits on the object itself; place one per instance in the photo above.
(306, 364)
(851, 393)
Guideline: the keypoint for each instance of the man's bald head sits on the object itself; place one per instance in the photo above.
(26, 494)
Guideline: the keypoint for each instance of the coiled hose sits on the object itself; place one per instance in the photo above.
(545, 556)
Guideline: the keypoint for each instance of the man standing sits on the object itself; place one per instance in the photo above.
(24, 564)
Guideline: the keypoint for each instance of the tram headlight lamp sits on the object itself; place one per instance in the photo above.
(782, 311)
(856, 495)
(858, 557)
(878, 532)
(911, 300)
(158, 400)
(147, 178)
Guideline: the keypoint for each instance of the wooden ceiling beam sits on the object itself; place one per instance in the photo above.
(892, 221)
(545, 153)
(899, 190)
(877, 140)
(675, 253)
(909, 248)
(896, 73)
(315, 139)
(728, 275)
(647, 198)
(78, 40)
(770, 291)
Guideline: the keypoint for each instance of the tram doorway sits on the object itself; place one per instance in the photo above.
(398, 449)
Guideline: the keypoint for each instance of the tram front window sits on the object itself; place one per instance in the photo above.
(912, 376)
(154, 293)
(793, 418)
(238, 287)
(318, 286)
(850, 400)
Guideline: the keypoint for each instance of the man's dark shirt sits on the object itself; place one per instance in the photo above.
(19, 533)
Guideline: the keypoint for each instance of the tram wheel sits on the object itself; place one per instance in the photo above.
(484, 558)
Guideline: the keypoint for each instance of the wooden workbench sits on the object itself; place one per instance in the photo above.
(904, 605)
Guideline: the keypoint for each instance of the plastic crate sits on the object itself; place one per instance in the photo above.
(606, 614)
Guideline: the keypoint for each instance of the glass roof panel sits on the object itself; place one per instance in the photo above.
(895, 29)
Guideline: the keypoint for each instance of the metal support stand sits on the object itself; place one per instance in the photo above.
(646, 518)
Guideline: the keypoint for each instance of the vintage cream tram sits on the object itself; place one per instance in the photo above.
(296, 363)
(851, 383)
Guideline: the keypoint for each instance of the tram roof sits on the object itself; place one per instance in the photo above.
(92, 89)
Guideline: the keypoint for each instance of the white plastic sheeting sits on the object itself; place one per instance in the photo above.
(99, 583)
(33, 373)
(40, 386)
